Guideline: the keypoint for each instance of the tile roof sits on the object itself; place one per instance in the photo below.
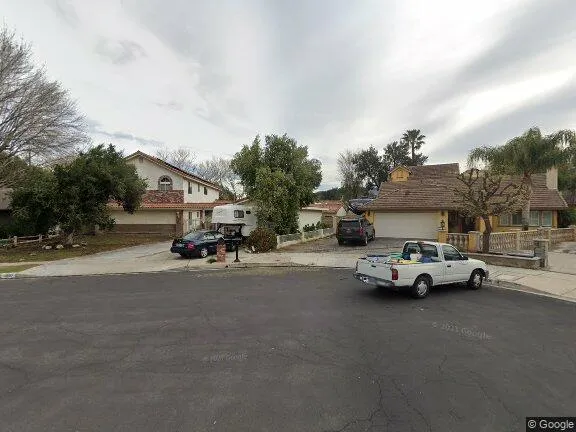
(163, 197)
(438, 170)
(543, 198)
(171, 200)
(171, 167)
(431, 187)
(330, 206)
(174, 206)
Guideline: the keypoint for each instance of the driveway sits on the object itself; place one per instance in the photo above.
(146, 258)
(330, 244)
(277, 350)
(563, 258)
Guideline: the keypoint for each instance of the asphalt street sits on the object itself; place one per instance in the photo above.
(277, 350)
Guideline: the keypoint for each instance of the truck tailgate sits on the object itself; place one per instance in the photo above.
(374, 273)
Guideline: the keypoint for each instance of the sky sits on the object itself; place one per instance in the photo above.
(209, 75)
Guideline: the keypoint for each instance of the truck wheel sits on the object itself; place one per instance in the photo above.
(421, 287)
(476, 279)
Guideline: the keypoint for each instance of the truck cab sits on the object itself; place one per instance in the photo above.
(419, 266)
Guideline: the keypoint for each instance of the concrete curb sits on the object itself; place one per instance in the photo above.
(250, 265)
(527, 290)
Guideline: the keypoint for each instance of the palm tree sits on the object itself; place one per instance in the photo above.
(396, 154)
(525, 155)
(414, 139)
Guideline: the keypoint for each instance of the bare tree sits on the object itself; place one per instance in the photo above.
(181, 158)
(483, 194)
(350, 180)
(219, 170)
(38, 119)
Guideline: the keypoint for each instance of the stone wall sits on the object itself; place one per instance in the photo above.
(507, 260)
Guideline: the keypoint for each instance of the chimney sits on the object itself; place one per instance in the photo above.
(552, 178)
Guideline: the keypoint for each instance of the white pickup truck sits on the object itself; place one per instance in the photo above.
(421, 265)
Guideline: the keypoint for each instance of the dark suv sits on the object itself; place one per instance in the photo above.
(355, 230)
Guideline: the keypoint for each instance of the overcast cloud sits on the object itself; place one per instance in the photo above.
(334, 74)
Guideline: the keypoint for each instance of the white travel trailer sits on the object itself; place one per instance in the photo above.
(233, 218)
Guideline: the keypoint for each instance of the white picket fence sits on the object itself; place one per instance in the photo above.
(291, 239)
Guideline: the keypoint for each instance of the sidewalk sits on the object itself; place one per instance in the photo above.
(156, 258)
(550, 283)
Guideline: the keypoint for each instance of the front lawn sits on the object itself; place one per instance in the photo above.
(103, 242)
(16, 268)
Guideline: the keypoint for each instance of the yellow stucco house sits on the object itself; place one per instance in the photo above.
(417, 201)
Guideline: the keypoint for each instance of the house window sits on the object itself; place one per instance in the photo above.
(238, 213)
(205, 190)
(505, 219)
(189, 187)
(517, 218)
(165, 183)
(534, 218)
(248, 212)
(547, 218)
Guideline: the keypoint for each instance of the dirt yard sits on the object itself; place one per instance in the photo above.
(33, 252)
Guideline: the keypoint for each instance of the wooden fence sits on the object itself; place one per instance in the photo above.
(15, 241)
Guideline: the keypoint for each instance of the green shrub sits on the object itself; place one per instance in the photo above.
(567, 217)
(262, 240)
(314, 227)
(15, 228)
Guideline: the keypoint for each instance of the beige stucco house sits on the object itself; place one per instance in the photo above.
(418, 200)
(175, 201)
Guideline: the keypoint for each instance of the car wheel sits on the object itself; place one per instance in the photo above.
(476, 279)
(421, 287)
(204, 252)
(366, 240)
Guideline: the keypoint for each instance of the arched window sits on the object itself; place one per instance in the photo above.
(164, 183)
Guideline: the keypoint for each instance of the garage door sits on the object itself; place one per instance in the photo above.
(406, 225)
